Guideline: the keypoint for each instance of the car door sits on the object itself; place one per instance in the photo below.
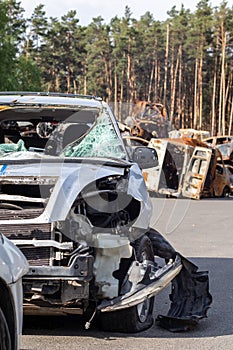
(152, 176)
(196, 173)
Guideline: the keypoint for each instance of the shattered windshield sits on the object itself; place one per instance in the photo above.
(101, 141)
(61, 132)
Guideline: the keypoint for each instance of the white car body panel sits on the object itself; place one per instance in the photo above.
(13, 266)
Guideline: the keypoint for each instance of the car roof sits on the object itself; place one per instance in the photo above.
(52, 99)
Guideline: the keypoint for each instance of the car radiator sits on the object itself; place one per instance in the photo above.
(36, 256)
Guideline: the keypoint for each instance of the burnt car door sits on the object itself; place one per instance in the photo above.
(153, 175)
(196, 173)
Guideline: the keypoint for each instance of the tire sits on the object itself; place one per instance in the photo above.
(231, 157)
(226, 192)
(139, 317)
(5, 339)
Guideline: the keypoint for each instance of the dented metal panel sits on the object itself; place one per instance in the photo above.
(152, 175)
(173, 156)
(196, 173)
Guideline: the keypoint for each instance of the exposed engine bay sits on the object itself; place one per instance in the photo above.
(75, 202)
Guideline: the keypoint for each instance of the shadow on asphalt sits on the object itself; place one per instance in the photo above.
(218, 323)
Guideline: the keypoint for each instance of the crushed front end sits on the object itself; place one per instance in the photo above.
(77, 207)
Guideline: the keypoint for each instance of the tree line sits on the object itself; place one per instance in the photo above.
(184, 62)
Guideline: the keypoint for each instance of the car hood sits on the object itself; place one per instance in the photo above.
(68, 178)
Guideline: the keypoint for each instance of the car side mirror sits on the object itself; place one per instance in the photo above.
(146, 157)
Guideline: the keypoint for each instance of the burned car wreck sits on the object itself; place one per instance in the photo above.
(187, 168)
(148, 119)
(76, 204)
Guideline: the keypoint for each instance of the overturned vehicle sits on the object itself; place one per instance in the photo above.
(187, 168)
(76, 205)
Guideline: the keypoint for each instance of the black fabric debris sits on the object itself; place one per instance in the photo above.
(190, 299)
(161, 246)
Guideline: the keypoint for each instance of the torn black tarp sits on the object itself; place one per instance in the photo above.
(190, 299)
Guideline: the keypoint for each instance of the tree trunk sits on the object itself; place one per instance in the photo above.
(213, 120)
(180, 83)
(223, 83)
(68, 64)
(221, 122)
(173, 89)
(166, 66)
(115, 92)
(171, 93)
(151, 80)
(121, 90)
(57, 83)
(156, 73)
(75, 86)
(231, 117)
(195, 97)
(200, 87)
(128, 74)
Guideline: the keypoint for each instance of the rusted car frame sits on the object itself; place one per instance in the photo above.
(148, 119)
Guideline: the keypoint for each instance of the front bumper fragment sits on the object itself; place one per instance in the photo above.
(151, 284)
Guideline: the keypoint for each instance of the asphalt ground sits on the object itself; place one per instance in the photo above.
(202, 231)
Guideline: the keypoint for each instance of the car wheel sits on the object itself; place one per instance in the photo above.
(5, 339)
(139, 317)
(226, 192)
(231, 157)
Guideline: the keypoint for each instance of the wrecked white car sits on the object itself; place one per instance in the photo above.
(76, 204)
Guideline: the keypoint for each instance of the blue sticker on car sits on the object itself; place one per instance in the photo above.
(3, 169)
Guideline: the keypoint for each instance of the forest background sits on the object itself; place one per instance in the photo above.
(184, 62)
